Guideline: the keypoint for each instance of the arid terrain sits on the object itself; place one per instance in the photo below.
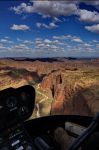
(63, 86)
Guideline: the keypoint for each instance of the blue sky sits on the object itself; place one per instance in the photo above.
(49, 28)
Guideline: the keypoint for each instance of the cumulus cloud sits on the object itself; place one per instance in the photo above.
(95, 41)
(20, 27)
(47, 41)
(48, 45)
(51, 25)
(78, 40)
(55, 9)
(91, 2)
(24, 46)
(19, 40)
(6, 41)
(63, 37)
(53, 46)
(57, 19)
(27, 42)
(38, 41)
(93, 28)
(21, 47)
(87, 45)
(6, 37)
(23, 7)
(2, 48)
(49, 8)
(69, 37)
(63, 44)
(66, 43)
(88, 16)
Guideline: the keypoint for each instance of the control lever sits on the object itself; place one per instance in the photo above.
(86, 133)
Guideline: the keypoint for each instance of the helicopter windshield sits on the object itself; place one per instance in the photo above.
(53, 46)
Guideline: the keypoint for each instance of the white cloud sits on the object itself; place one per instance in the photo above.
(23, 7)
(87, 45)
(19, 40)
(57, 19)
(38, 24)
(1, 46)
(91, 2)
(55, 9)
(3, 40)
(77, 40)
(49, 8)
(51, 25)
(48, 45)
(53, 46)
(20, 27)
(4, 48)
(47, 41)
(6, 37)
(63, 37)
(40, 45)
(68, 37)
(20, 48)
(6, 41)
(95, 41)
(27, 42)
(24, 46)
(42, 25)
(38, 42)
(93, 28)
(88, 16)
(79, 46)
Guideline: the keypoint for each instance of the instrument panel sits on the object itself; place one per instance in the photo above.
(16, 104)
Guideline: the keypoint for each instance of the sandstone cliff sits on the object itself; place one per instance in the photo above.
(69, 93)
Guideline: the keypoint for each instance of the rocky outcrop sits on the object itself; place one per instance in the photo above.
(16, 74)
(51, 82)
(70, 101)
(67, 98)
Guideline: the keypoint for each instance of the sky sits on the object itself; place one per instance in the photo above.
(45, 28)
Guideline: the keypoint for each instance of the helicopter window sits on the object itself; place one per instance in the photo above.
(53, 46)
